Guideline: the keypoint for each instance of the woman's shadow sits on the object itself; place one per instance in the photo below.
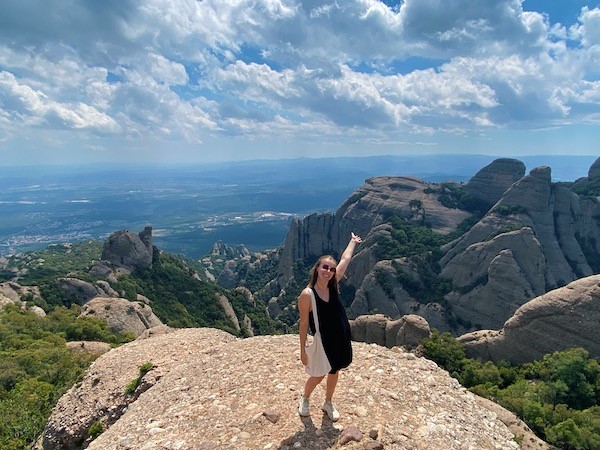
(311, 437)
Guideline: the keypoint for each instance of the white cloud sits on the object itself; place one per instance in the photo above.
(188, 69)
(33, 107)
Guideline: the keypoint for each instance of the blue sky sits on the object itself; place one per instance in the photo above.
(190, 81)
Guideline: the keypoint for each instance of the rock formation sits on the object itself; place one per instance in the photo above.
(594, 172)
(563, 318)
(122, 315)
(536, 236)
(12, 293)
(491, 182)
(209, 390)
(493, 278)
(367, 208)
(76, 290)
(126, 249)
(408, 331)
(496, 272)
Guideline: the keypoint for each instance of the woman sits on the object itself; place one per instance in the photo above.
(333, 324)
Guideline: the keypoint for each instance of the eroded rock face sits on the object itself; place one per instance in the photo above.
(208, 389)
(493, 278)
(363, 213)
(122, 315)
(495, 275)
(127, 249)
(563, 318)
(491, 182)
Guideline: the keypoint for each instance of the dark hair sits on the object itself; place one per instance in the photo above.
(333, 282)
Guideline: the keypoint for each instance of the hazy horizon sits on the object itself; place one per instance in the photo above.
(191, 207)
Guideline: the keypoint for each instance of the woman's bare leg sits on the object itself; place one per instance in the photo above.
(311, 384)
(332, 379)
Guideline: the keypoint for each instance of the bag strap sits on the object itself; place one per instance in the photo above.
(314, 310)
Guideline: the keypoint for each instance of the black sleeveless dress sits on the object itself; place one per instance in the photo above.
(335, 330)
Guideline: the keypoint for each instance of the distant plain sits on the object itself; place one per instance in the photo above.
(190, 208)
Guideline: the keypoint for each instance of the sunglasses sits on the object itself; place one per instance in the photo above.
(328, 268)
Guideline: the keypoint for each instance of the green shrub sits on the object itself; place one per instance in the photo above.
(133, 385)
(36, 368)
(557, 396)
(95, 430)
(510, 210)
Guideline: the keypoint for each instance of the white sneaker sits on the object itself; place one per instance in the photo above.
(333, 413)
(303, 407)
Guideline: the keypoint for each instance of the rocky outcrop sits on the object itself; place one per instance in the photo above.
(122, 315)
(127, 249)
(408, 331)
(491, 182)
(76, 290)
(229, 277)
(12, 293)
(367, 208)
(226, 305)
(594, 172)
(563, 318)
(495, 272)
(15, 292)
(207, 389)
(81, 292)
(537, 236)
(493, 278)
(222, 257)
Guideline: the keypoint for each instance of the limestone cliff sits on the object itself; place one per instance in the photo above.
(209, 390)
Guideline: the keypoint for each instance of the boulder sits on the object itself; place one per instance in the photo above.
(408, 331)
(560, 319)
(130, 250)
(76, 290)
(122, 315)
(101, 269)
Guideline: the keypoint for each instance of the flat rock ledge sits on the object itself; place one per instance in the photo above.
(210, 390)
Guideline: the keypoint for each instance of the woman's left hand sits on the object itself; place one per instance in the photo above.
(356, 239)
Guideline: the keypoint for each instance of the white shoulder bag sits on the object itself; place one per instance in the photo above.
(318, 363)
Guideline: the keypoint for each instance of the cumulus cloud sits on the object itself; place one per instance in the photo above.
(188, 69)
